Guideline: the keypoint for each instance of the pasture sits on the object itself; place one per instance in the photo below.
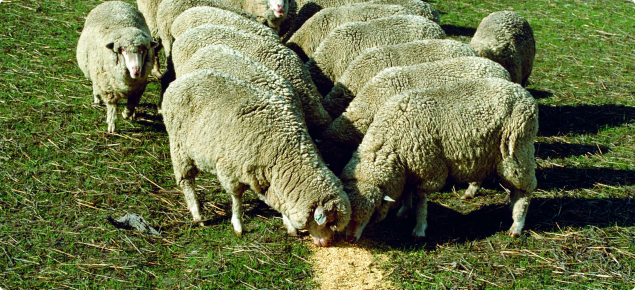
(62, 175)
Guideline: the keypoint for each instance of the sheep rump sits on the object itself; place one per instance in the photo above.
(463, 131)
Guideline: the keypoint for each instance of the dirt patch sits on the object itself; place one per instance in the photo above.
(346, 266)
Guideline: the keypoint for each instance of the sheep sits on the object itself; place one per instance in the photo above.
(227, 60)
(116, 52)
(149, 10)
(507, 38)
(315, 29)
(268, 12)
(341, 138)
(300, 11)
(463, 131)
(350, 40)
(372, 61)
(270, 53)
(252, 139)
(198, 16)
(169, 10)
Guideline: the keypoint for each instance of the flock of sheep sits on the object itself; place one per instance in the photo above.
(331, 111)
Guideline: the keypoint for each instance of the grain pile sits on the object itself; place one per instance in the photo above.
(347, 266)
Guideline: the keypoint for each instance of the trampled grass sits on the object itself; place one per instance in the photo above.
(62, 176)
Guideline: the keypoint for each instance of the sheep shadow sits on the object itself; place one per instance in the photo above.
(538, 94)
(452, 30)
(584, 119)
(448, 226)
(562, 150)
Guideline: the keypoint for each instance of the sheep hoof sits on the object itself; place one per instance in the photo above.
(238, 233)
(514, 235)
(467, 196)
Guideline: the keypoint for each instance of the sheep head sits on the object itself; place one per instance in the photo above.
(135, 46)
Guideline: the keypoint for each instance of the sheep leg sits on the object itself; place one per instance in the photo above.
(111, 115)
(422, 217)
(291, 230)
(129, 111)
(237, 211)
(97, 99)
(406, 206)
(520, 205)
(471, 191)
(187, 185)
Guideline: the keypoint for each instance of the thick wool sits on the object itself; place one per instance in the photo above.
(464, 132)
(252, 139)
(120, 26)
(350, 40)
(300, 11)
(232, 62)
(169, 10)
(272, 54)
(341, 138)
(507, 38)
(198, 16)
(149, 10)
(374, 60)
(307, 39)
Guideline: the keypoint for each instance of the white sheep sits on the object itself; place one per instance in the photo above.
(507, 38)
(350, 40)
(149, 10)
(272, 54)
(198, 16)
(463, 132)
(115, 52)
(374, 60)
(230, 61)
(341, 138)
(252, 139)
(300, 11)
(306, 40)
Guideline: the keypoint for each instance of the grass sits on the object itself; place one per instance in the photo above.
(63, 176)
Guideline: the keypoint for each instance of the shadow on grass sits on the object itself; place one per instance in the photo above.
(585, 119)
(538, 94)
(451, 30)
(563, 150)
(579, 178)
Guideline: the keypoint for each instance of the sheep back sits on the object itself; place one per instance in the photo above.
(270, 53)
(350, 40)
(507, 38)
(250, 137)
(149, 10)
(315, 29)
(346, 132)
(198, 16)
(374, 60)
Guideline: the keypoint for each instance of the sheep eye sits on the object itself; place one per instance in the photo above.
(122, 50)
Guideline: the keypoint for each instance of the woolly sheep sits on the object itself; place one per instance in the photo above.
(300, 11)
(149, 10)
(224, 59)
(116, 52)
(198, 16)
(341, 138)
(350, 40)
(507, 38)
(270, 53)
(315, 29)
(169, 10)
(268, 12)
(464, 132)
(252, 139)
(374, 60)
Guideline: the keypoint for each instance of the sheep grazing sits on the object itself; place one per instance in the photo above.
(272, 54)
(341, 138)
(149, 10)
(252, 139)
(306, 40)
(463, 131)
(506, 38)
(224, 59)
(198, 16)
(268, 12)
(116, 52)
(374, 60)
(350, 40)
(301, 11)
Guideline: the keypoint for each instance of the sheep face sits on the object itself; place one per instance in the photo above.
(365, 201)
(136, 49)
(320, 227)
(276, 12)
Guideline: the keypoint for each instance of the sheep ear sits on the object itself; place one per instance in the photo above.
(388, 198)
(110, 45)
(154, 44)
(320, 215)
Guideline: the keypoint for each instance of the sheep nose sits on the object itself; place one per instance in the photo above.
(351, 239)
(322, 242)
(280, 7)
(135, 72)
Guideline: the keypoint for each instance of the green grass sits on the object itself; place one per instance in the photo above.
(62, 176)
